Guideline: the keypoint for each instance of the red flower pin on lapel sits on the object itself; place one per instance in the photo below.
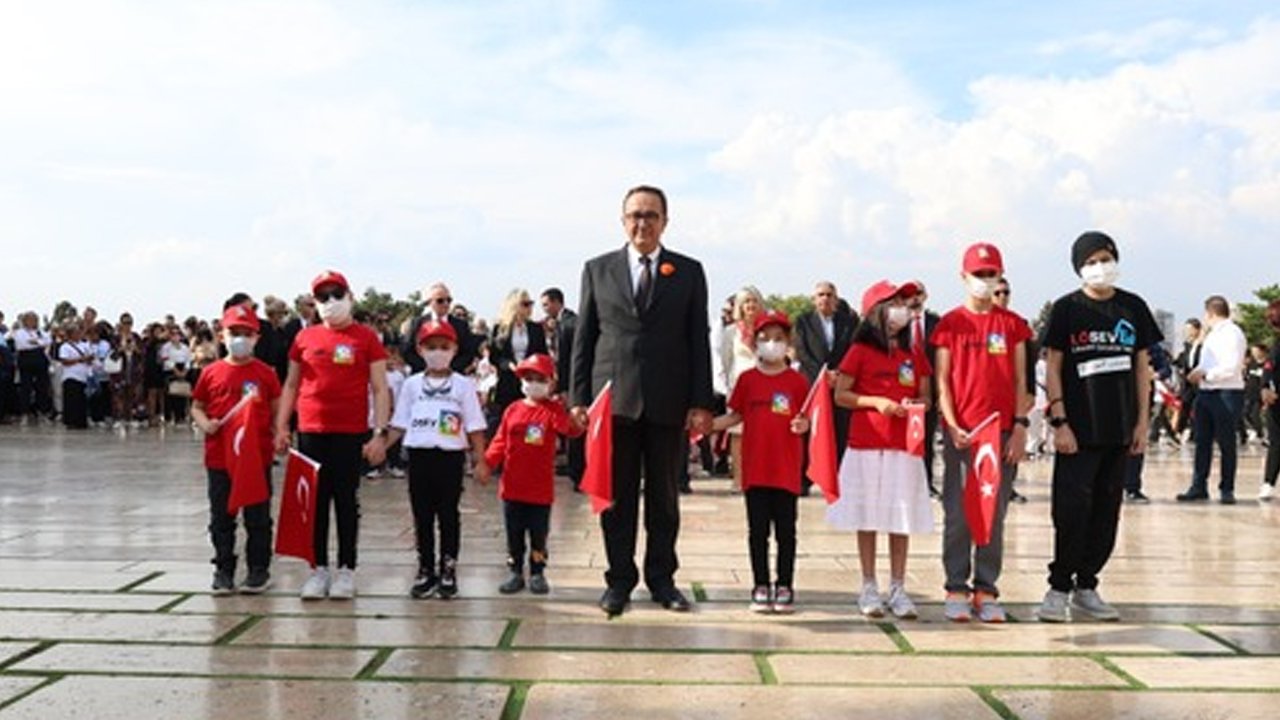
(667, 269)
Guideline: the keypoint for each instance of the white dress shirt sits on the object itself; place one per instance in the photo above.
(828, 329)
(1222, 357)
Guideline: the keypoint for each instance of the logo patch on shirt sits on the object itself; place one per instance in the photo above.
(907, 374)
(450, 423)
(533, 434)
(996, 344)
(343, 355)
(781, 404)
(249, 387)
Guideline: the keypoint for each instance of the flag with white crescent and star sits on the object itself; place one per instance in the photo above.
(243, 448)
(982, 482)
(295, 532)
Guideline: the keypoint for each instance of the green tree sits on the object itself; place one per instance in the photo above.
(792, 305)
(380, 303)
(63, 312)
(1253, 316)
(1042, 320)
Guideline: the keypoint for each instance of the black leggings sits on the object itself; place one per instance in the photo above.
(435, 488)
(339, 484)
(771, 507)
(526, 519)
(1272, 469)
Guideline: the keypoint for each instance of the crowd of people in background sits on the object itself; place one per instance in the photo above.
(1095, 385)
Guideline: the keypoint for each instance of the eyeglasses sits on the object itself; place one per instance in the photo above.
(826, 294)
(323, 296)
(650, 215)
(442, 300)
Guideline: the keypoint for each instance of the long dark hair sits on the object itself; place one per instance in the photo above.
(874, 330)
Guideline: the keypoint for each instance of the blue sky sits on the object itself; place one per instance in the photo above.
(158, 157)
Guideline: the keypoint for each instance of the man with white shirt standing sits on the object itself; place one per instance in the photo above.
(1219, 379)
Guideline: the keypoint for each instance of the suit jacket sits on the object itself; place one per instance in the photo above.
(811, 341)
(468, 346)
(565, 329)
(659, 356)
(502, 354)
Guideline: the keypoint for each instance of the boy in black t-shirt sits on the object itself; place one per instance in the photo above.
(1097, 380)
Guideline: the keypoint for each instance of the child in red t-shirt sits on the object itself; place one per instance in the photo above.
(981, 370)
(767, 399)
(221, 386)
(882, 486)
(524, 446)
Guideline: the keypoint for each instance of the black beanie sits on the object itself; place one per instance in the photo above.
(1090, 243)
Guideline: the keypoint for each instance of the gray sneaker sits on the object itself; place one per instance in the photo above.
(513, 584)
(538, 584)
(223, 582)
(1091, 603)
(1054, 607)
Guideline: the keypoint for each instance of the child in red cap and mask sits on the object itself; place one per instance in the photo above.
(525, 447)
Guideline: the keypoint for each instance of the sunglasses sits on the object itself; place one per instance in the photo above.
(325, 296)
(527, 303)
(442, 300)
(1002, 293)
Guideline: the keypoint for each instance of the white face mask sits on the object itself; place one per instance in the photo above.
(1100, 275)
(239, 346)
(336, 310)
(535, 390)
(437, 359)
(897, 318)
(980, 288)
(771, 350)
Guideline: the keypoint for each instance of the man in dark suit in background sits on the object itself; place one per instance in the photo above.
(561, 322)
(642, 323)
(438, 302)
(922, 324)
(822, 339)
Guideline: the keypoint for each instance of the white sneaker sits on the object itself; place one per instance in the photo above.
(899, 604)
(1054, 607)
(1266, 491)
(957, 607)
(988, 608)
(1092, 603)
(869, 601)
(344, 585)
(316, 586)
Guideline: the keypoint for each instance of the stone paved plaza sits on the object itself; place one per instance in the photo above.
(105, 613)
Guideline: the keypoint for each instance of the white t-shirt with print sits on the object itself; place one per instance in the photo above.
(438, 412)
(75, 351)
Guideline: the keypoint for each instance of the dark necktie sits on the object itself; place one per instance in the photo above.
(646, 282)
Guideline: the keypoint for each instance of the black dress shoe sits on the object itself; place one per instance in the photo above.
(672, 599)
(1228, 499)
(614, 601)
(1192, 496)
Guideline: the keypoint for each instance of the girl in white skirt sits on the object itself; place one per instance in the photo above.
(882, 486)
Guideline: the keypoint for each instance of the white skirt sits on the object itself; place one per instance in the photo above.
(884, 491)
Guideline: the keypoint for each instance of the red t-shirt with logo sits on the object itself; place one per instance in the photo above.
(895, 375)
(333, 392)
(220, 387)
(983, 362)
(525, 448)
(772, 455)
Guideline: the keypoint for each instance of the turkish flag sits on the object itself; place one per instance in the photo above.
(915, 428)
(982, 485)
(295, 533)
(822, 438)
(242, 448)
(597, 476)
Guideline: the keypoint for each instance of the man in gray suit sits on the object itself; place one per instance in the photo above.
(642, 323)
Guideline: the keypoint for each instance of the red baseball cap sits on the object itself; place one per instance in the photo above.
(983, 256)
(435, 328)
(885, 290)
(329, 277)
(772, 317)
(242, 317)
(540, 363)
